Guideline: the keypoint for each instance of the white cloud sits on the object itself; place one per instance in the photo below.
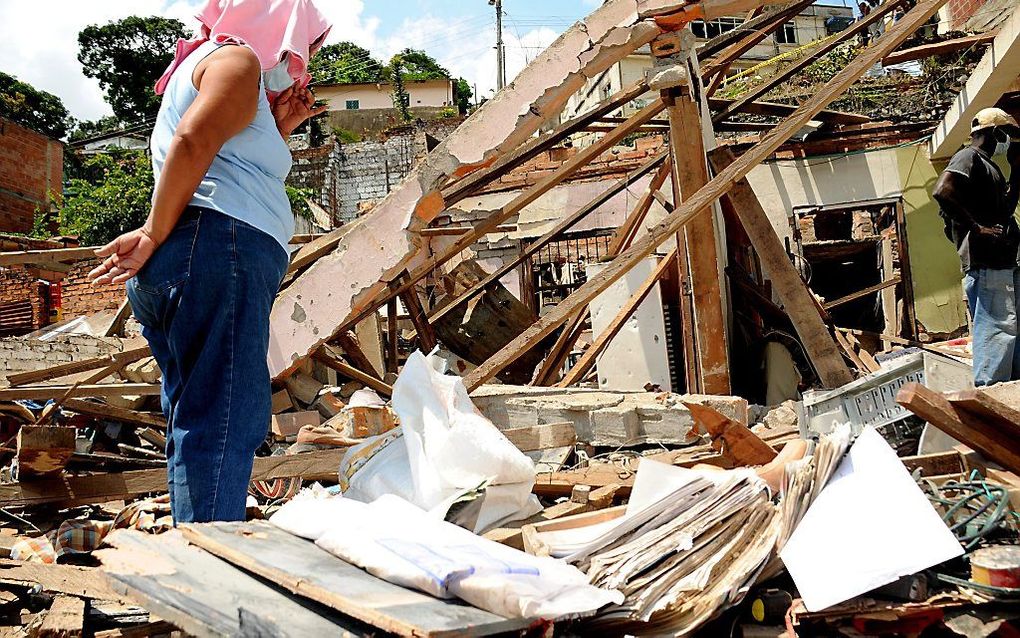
(39, 41)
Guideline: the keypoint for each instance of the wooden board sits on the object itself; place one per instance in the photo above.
(995, 412)
(207, 597)
(86, 582)
(98, 488)
(43, 449)
(961, 424)
(106, 411)
(713, 190)
(64, 619)
(303, 568)
(44, 392)
(938, 48)
(325, 357)
(709, 325)
(75, 367)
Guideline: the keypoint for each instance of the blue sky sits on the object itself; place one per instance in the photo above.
(458, 33)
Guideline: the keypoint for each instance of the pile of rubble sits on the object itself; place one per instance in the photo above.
(447, 458)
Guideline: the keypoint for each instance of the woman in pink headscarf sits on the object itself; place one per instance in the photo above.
(203, 270)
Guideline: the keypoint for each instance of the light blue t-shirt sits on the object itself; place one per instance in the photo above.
(246, 178)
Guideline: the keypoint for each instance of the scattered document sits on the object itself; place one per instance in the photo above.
(870, 525)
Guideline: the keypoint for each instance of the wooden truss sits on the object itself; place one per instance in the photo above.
(350, 274)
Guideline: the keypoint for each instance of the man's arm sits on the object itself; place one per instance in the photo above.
(950, 192)
(1013, 192)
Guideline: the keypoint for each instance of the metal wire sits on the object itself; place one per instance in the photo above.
(972, 509)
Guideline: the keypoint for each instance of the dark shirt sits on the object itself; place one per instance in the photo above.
(985, 197)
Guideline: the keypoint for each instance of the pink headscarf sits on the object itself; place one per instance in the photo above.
(270, 27)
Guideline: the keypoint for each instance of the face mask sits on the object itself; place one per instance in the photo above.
(1002, 146)
(277, 79)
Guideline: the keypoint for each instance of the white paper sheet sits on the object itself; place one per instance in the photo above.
(869, 526)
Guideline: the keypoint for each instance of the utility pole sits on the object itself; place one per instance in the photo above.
(500, 62)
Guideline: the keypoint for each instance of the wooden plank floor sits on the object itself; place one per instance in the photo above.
(207, 597)
(302, 567)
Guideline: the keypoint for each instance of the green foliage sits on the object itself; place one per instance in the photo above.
(43, 223)
(832, 64)
(400, 97)
(299, 201)
(38, 110)
(462, 95)
(91, 128)
(417, 65)
(346, 136)
(114, 199)
(344, 63)
(127, 57)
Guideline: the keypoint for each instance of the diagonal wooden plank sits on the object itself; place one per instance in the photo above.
(303, 568)
(961, 424)
(792, 292)
(591, 355)
(76, 367)
(519, 203)
(809, 59)
(718, 186)
(473, 181)
(535, 246)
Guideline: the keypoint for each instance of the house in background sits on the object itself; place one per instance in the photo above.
(813, 23)
(367, 109)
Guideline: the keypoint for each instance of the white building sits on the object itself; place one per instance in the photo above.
(371, 96)
(814, 23)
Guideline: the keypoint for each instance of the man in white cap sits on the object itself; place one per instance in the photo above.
(978, 205)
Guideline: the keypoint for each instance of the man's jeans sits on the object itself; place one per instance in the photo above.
(992, 297)
(203, 301)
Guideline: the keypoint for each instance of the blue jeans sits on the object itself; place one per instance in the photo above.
(203, 300)
(992, 298)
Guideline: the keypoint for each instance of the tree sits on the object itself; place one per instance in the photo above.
(90, 128)
(38, 110)
(400, 97)
(418, 65)
(127, 57)
(344, 63)
(462, 95)
(113, 197)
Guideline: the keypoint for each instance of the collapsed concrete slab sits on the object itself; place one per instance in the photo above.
(382, 245)
(600, 417)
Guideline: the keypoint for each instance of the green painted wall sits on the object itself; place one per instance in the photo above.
(934, 265)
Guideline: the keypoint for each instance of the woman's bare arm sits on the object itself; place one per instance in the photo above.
(228, 93)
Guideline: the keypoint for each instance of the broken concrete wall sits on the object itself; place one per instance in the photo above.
(901, 172)
(25, 355)
(381, 245)
(602, 418)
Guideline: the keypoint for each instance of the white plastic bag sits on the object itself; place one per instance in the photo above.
(446, 448)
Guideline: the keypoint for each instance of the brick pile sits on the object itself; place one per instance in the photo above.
(31, 167)
(80, 297)
(19, 285)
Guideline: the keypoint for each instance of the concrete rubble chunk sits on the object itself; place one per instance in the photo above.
(600, 417)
